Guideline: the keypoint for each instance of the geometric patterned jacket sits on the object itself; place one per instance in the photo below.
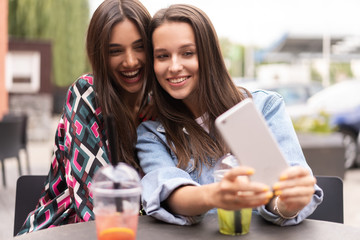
(80, 149)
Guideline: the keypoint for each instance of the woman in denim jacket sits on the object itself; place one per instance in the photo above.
(179, 151)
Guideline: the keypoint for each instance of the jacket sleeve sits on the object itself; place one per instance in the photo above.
(79, 150)
(161, 178)
(279, 122)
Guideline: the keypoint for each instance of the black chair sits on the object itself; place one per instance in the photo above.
(24, 118)
(28, 192)
(332, 207)
(10, 143)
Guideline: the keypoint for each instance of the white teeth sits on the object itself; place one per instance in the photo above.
(177, 80)
(131, 74)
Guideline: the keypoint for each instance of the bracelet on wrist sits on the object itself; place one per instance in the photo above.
(276, 209)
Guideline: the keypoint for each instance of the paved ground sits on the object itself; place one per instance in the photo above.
(40, 153)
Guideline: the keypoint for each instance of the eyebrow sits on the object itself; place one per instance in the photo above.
(183, 46)
(119, 45)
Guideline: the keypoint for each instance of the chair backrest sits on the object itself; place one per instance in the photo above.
(22, 117)
(332, 207)
(10, 138)
(28, 192)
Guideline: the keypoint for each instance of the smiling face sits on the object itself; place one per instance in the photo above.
(127, 56)
(176, 62)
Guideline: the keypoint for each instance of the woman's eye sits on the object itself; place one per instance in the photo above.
(115, 51)
(188, 53)
(161, 56)
(141, 46)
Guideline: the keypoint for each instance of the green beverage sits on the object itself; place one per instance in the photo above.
(234, 222)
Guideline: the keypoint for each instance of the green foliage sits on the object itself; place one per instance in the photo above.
(314, 124)
(225, 45)
(340, 70)
(234, 56)
(238, 59)
(64, 22)
(315, 75)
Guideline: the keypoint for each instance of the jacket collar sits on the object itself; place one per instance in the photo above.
(161, 129)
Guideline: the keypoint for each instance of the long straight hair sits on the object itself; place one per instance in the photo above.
(109, 97)
(216, 91)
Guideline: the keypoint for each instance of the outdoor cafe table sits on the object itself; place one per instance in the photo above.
(151, 229)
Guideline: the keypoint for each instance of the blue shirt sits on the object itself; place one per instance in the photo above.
(162, 176)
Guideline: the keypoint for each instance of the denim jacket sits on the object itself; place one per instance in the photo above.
(162, 176)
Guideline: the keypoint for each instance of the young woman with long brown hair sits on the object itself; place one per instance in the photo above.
(117, 49)
(179, 151)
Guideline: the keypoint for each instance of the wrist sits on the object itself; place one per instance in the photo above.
(281, 213)
(209, 195)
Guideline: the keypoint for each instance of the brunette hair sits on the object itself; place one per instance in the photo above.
(216, 91)
(109, 96)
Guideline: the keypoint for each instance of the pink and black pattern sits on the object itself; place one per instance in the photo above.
(80, 150)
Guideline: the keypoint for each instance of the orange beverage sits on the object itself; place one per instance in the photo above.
(116, 191)
(116, 226)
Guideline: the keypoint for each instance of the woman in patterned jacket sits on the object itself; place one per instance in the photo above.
(117, 50)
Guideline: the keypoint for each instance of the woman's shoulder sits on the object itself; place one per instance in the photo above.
(81, 90)
(261, 95)
(85, 79)
(151, 128)
(83, 85)
(264, 94)
(265, 99)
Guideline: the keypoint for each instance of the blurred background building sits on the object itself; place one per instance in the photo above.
(45, 54)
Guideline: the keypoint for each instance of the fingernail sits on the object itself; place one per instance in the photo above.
(269, 195)
(141, 115)
(250, 171)
(144, 119)
(276, 186)
(283, 177)
(278, 192)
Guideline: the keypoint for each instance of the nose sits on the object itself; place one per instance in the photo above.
(130, 59)
(175, 65)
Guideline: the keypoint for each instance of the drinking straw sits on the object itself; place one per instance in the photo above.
(110, 122)
(237, 221)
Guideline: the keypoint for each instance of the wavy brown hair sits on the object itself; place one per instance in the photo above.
(109, 97)
(216, 91)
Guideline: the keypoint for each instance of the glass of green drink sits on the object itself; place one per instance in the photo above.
(234, 222)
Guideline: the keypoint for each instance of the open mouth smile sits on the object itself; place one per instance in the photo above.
(177, 80)
(132, 76)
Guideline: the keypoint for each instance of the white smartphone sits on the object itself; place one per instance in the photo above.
(250, 140)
